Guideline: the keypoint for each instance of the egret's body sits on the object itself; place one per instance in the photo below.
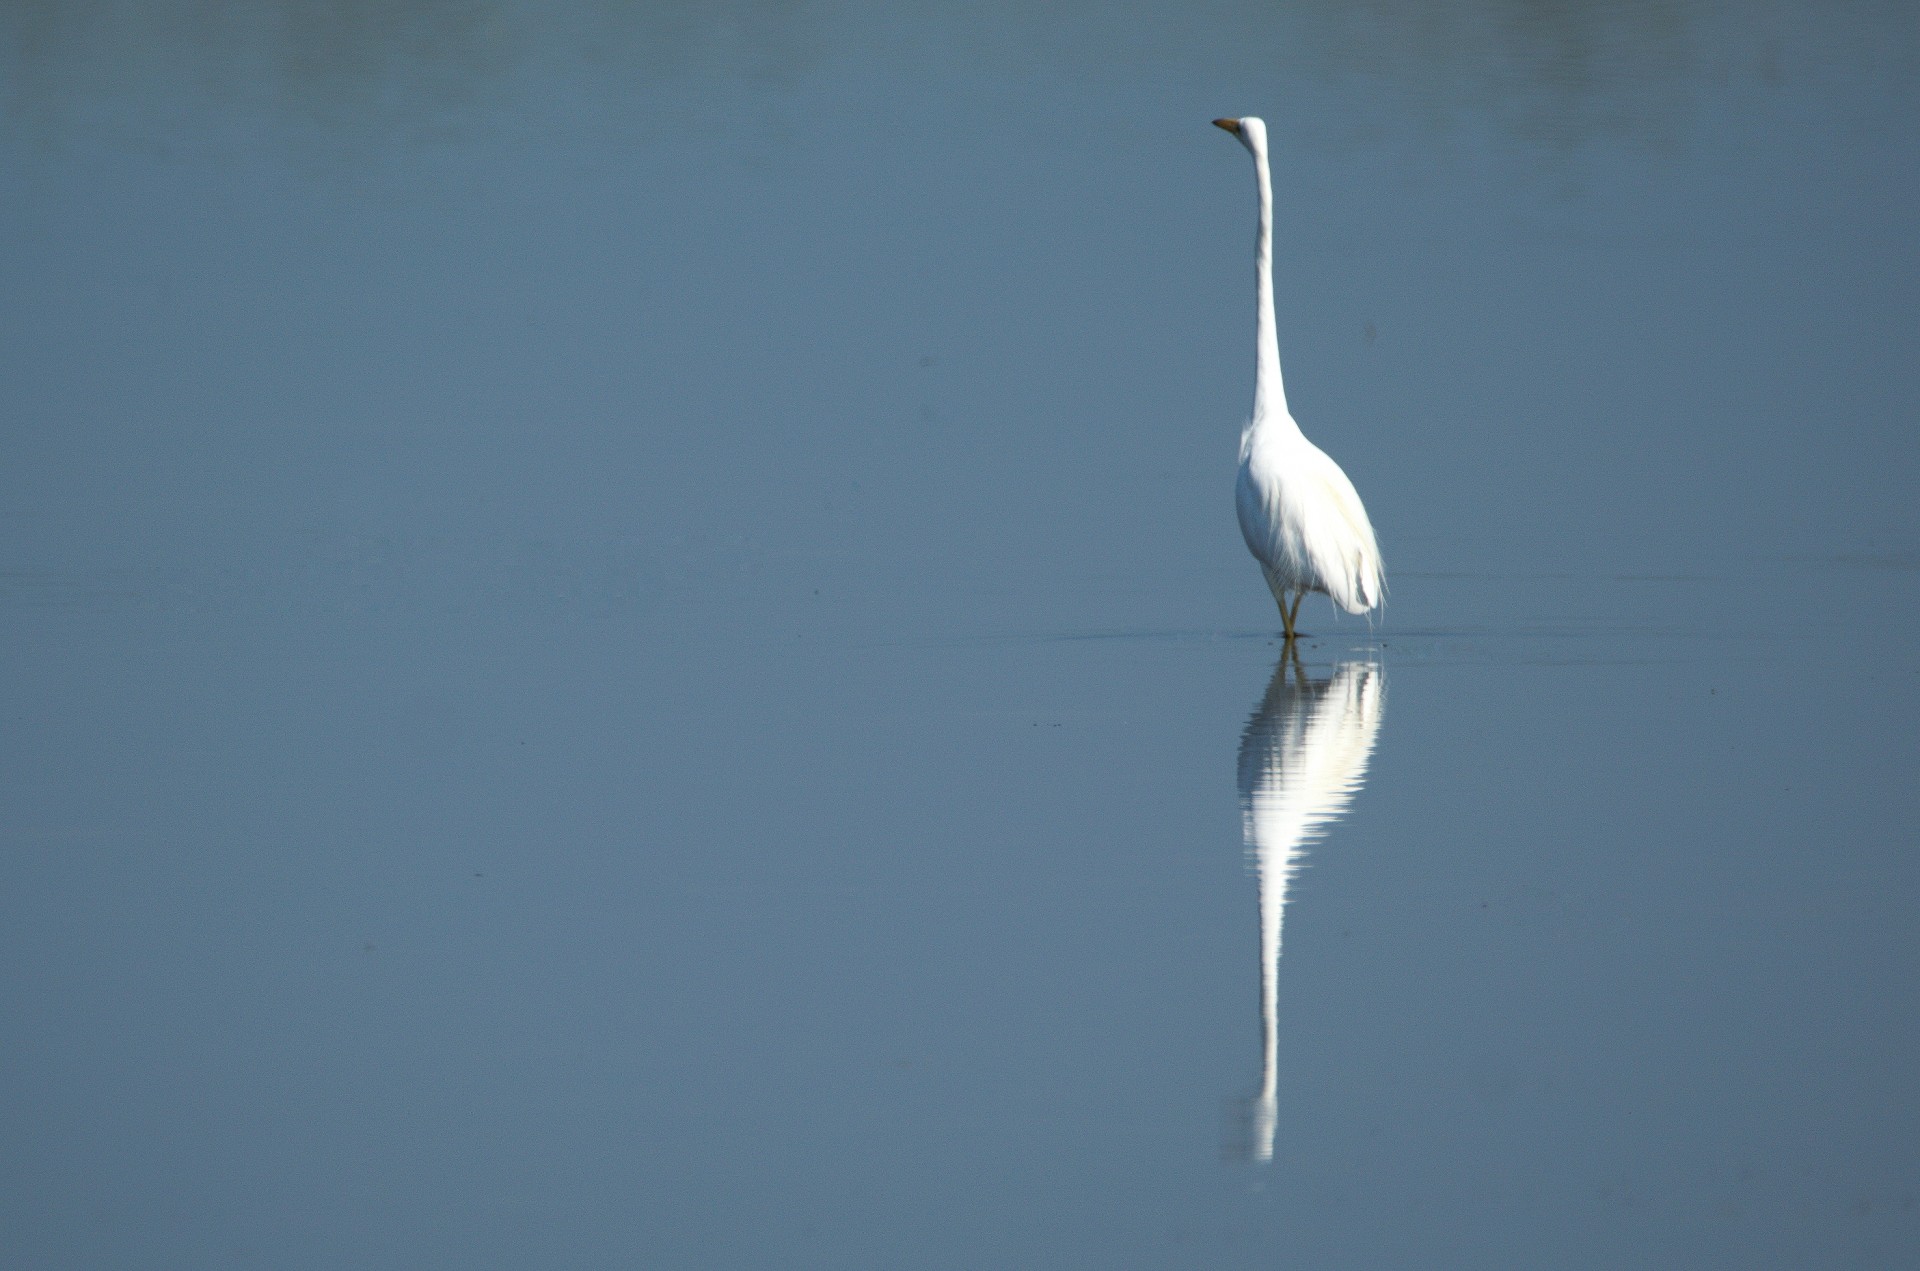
(1301, 517)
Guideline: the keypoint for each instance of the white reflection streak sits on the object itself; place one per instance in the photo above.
(1303, 756)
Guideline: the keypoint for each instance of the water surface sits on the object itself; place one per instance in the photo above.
(627, 645)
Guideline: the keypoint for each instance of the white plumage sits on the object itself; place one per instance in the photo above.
(1301, 517)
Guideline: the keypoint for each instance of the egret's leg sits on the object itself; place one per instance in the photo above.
(1279, 591)
(1294, 614)
(1286, 615)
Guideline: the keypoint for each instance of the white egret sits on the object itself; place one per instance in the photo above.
(1301, 517)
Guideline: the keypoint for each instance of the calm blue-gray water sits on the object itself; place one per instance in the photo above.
(625, 643)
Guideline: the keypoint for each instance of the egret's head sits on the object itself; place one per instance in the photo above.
(1251, 131)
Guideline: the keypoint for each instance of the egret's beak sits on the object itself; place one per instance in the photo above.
(1231, 125)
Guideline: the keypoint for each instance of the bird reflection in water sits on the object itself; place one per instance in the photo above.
(1303, 756)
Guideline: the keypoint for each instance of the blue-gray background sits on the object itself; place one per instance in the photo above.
(624, 639)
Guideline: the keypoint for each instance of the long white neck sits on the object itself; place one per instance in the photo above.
(1269, 397)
